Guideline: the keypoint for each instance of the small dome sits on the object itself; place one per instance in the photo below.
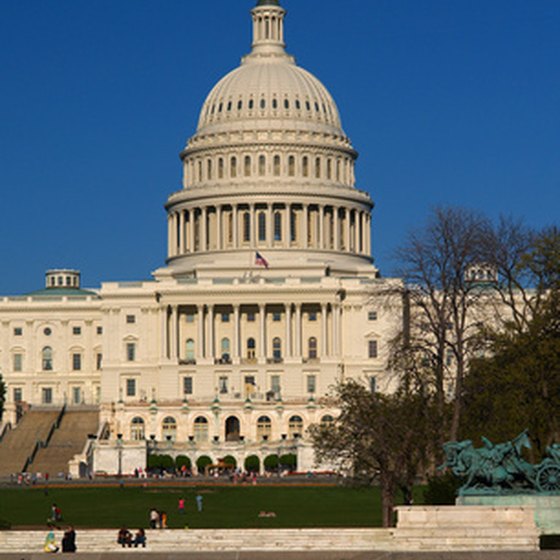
(268, 89)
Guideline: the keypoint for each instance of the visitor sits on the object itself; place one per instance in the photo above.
(181, 506)
(124, 538)
(154, 518)
(199, 503)
(163, 520)
(140, 538)
(50, 543)
(69, 540)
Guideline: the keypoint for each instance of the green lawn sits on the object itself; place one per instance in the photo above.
(224, 507)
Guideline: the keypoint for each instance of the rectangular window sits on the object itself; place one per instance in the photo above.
(131, 319)
(223, 385)
(76, 362)
(187, 385)
(130, 352)
(76, 330)
(311, 383)
(250, 317)
(18, 394)
(275, 383)
(372, 384)
(276, 316)
(46, 395)
(18, 362)
(98, 361)
(225, 317)
(312, 316)
(131, 387)
(189, 317)
(372, 348)
(76, 395)
(18, 331)
(99, 330)
(372, 316)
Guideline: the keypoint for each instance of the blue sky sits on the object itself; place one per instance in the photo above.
(448, 102)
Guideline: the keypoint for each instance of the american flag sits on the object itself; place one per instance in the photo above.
(260, 260)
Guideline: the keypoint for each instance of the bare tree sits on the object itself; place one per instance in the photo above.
(442, 329)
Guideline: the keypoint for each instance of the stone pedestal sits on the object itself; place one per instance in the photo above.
(452, 528)
(546, 507)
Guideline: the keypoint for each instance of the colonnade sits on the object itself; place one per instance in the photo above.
(269, 225)
(292, 343)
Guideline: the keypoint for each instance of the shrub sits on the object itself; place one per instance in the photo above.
(289, 461)
(183, 460)
(442, 489)
(271, 462)
(230, 461)
(202, 462)
(252, 463)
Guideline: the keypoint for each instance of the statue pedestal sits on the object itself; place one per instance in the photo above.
(547, 507)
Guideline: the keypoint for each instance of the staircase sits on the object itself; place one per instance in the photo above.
(66, 441)
(18, 444)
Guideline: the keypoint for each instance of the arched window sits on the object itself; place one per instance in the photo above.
(47, 358)
(327, 420)
(137, 429)
(246, 227)
(233, 167)
(276, 348)
(221, 168)
(230, 227)
(264, 427)
(262, 165)
(305, 166)
(199, 176)
(312, 348)
(275, 103)
(200, 429)
(251, 103)
(225, 350)
(329, 169)
(189, 350)
(338, 169)
(276, 165)
(298, 104)
(169, 428)
(277, 226)
(251, 348)
(240, 105)
(209, 169)
(291, 166)
(286, 104)
(247, 166)
(318, 168)
(263, 103)
(295, 426)
(262, 226)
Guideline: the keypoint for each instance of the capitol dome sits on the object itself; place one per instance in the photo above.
(269, 169)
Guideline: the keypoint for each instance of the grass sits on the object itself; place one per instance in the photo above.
(224, 506)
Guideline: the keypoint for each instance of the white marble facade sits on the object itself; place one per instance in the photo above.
(220, 353)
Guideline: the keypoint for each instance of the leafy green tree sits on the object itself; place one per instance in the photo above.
(384, 439)
(252, 463)
(202, 462)
(517, 385)
(181, 460)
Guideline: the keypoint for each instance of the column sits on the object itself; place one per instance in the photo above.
(173, 333)
(192, 212)
(357, 231)
(368, 234)
(253, 215)
(200, 337)
(321, 227)
(169, 235)
(298, 330)
(164, 335)
(336, 330)
(262, 331)
(219, 240)
(269, 226)
(347, 229)
(305, 225)
(324, 331)
(336, 227)
(288, 318)
(181, 232)
(286, 225)
(235, 226)
(236, 331)
(362, 229)
(204, 229)
(210, 331)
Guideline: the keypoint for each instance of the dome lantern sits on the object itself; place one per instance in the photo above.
(268, 28)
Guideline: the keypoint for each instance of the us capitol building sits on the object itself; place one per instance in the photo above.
(265, 301)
